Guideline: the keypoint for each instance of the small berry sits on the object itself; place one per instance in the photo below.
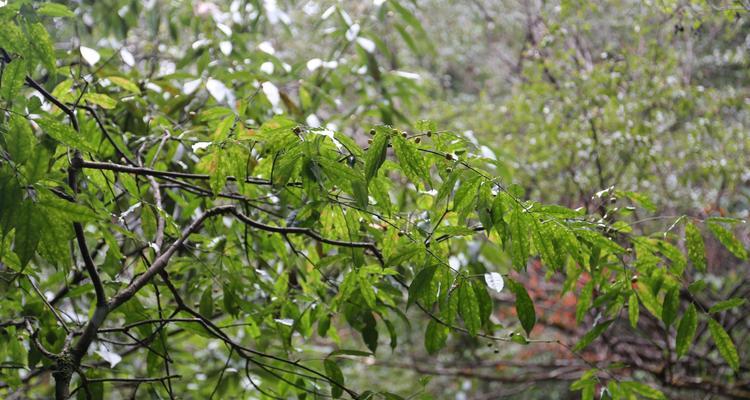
(297, 130)
(369, 141)
(449, 170)
(448, 156)
(395, 131)
(429, 133)
(372, 132)
(403, 135)
(417, 140)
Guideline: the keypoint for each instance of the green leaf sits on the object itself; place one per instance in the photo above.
(446, 188)
(126, 84)
(65, 134)
(726, 305)
(13, 39)
(348, 352)
(37, 165)
(648, 300)
(727, 238)
(695, 247)
(598, 240)
(466, 194)
(375, 155)
(206, 305)
(686, 331)
(524, 307)
(13, 78)
(334, 374)
(101, 100)
(591, 335)
(670, 306)
(370, 333)
(50, 205)
(55, 10)
(223, 128)
(675, 255)
(468, 307)
(28, 222)
(633, 310)
(642, 389)
(435, 336)
(584, 300)
(42, 46)
(519, 247)
(724, 344)
(484, 300)
(420, 286)
(19, 140)
(216, 164)
(360, 192)
(410, 160)
(366, 289)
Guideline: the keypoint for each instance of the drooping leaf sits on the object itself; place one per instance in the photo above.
(484, 300)
(13, 78)
(727, 238)
(435, 336)
(686, 331)
(13, 38)
(591, 335)
(206, 305)
(519, 247)
(375, 155)
(411, 161)
(41, 45)
(468, 307)
(524, 306)
(584, 300)
(28, 222)
(334, 373)
(695, 247)
(633, 310)
(466, 194)
(420, 286)
(670, 306)
(20, 139)
(724, 343)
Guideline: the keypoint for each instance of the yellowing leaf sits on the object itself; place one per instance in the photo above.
(126, 84)
(724, 344)
(102, 100)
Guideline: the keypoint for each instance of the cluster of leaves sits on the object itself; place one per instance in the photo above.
(182, 235)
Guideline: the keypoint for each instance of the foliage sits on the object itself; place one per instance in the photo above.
(174, 208)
